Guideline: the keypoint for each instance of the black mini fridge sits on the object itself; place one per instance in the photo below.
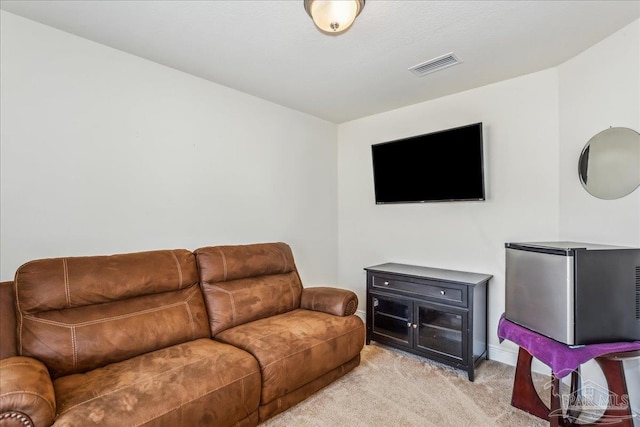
(576, 293)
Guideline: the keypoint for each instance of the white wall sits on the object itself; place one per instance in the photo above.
(598, 89)
(104, 152)
(520, 118)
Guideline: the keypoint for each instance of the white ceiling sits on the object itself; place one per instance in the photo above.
(272, 50)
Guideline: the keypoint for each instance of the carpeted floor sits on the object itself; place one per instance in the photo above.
(395, 389)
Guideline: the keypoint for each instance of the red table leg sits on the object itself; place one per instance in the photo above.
(619, 409)
(618, 412)
(524, 395)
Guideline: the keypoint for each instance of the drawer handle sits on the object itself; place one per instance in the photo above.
(414, 326)
(442, 292)
(408, 324)
(386, 283)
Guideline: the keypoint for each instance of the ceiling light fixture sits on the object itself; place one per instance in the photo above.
(333, 16)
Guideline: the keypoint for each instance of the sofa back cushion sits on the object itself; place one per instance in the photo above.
(247, 282)
(77, 314)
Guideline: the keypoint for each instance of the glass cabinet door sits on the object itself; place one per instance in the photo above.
(391, 318)
(441, 331)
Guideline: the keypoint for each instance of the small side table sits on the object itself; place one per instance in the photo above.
(565, 360)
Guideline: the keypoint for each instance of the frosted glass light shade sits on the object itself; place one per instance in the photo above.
(333, 16)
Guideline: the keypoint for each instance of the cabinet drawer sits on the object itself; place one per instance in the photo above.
(430, 289)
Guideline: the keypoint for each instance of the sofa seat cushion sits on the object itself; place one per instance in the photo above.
(296, 347)
(201, 382)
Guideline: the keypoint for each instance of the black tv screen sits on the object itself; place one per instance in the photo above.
(435, 167)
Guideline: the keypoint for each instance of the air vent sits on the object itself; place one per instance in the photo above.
(435, 64)
(638, 293)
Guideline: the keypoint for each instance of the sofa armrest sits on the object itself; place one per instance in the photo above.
(339, 302)
(26, 393)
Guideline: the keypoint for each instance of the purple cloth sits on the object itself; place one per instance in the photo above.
(560, 357)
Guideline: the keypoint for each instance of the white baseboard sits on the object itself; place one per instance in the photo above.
(510, 357)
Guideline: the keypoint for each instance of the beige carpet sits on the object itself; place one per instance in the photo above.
(394, 389)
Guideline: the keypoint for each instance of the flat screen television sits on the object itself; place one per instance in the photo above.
(441, 166)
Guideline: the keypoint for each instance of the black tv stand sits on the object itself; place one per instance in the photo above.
(439, 314)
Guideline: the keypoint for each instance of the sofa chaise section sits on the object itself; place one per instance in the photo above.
(302, 338)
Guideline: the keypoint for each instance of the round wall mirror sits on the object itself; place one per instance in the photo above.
(609, 166)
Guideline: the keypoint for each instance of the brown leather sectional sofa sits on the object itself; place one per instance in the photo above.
(223, 336)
